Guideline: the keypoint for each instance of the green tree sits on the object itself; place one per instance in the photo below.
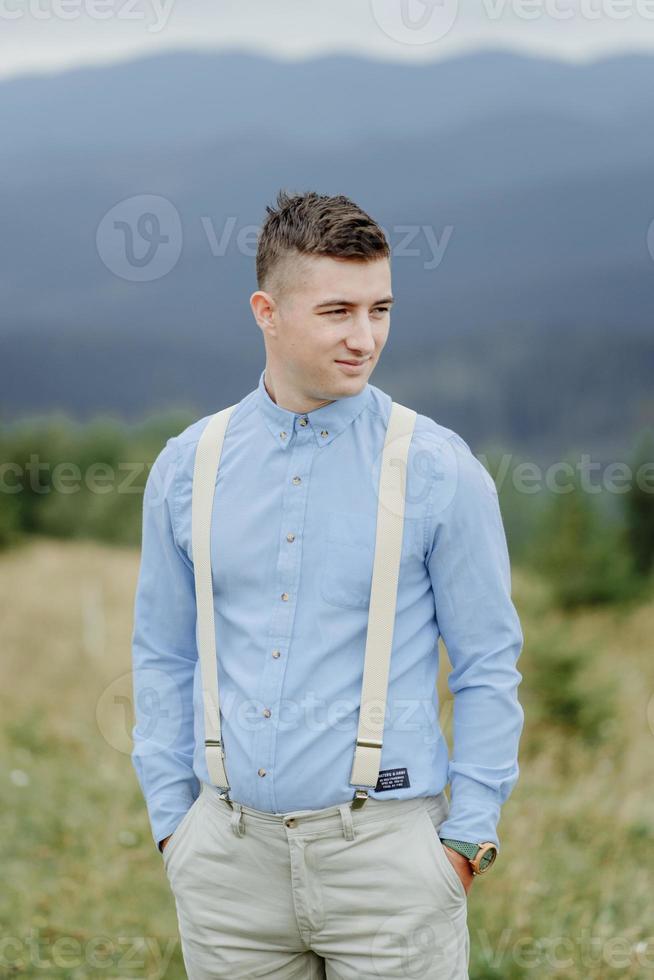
(581, 551)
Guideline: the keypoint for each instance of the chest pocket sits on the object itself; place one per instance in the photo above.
(346, 577)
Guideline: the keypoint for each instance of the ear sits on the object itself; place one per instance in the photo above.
(263, 308)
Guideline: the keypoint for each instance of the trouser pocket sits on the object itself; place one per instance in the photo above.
(432, 816)
(180, 831)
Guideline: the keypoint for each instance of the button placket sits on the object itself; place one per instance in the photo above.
(287, 576)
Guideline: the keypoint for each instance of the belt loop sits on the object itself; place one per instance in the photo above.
(238, 825)
(346, 818)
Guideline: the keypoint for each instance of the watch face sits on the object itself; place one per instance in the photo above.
(485, 857)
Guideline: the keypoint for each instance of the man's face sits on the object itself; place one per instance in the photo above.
(333, 311)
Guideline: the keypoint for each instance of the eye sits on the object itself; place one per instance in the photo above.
(337, 312)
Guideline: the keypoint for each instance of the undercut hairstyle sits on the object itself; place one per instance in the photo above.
(313, 224)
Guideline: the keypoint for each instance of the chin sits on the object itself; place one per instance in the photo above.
(352, 381)
(350, 384)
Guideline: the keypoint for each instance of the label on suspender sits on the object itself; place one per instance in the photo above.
(392, 779)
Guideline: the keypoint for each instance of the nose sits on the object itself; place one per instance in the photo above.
(360, 337)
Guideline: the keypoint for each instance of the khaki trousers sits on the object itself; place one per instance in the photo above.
(334, 893)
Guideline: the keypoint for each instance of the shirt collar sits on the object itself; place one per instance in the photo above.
(326, 422)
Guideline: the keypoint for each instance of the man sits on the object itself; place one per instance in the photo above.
(311, 883)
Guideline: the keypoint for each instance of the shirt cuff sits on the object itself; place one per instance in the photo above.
(166, 815)
(473, 814)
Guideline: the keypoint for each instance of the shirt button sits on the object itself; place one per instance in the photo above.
(261, 772)
(296, 480)
(290, 822)
(290, 537)
(282, 435)
(267, 712)
(284, 596)
(303, 421)
(276, 654)
(324, 433)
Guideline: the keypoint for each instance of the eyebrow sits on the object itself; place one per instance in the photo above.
(387, 301)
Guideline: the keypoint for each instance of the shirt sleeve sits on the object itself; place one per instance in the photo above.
(164, 653)
(468, 563)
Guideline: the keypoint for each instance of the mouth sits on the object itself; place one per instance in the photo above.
(354, 363)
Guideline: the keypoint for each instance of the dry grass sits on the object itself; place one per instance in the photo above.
(84, 894)
(82, 881)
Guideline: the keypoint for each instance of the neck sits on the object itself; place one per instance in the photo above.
(289, 399)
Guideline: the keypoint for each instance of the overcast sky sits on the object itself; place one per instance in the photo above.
(47, 35)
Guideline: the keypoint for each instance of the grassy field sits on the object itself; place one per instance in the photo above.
(84, 893)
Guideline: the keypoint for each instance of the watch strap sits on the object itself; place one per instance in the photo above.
(467, 849)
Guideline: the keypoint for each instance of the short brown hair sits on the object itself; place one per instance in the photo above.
(314, 224)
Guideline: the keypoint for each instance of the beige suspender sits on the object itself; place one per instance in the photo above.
(205, 473)
(383, 597)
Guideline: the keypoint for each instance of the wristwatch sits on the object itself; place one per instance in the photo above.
(481, 856)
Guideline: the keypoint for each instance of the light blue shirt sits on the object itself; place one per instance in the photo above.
(292, 545)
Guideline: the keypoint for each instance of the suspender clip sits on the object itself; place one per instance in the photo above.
(225, 796)
(370, 743)
(359, 798)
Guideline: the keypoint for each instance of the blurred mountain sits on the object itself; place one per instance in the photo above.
(517, 195)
